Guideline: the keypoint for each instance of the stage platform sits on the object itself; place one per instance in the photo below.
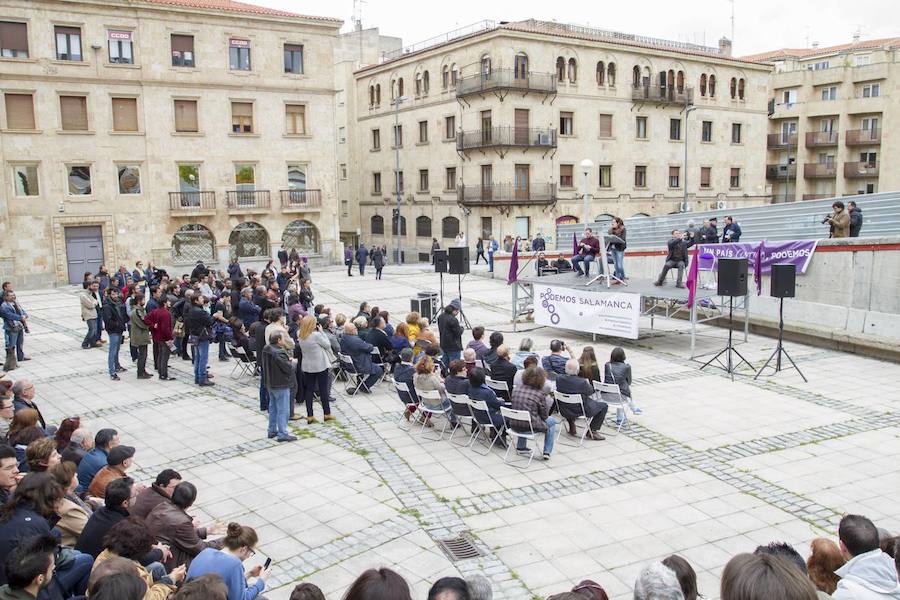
(644, 287)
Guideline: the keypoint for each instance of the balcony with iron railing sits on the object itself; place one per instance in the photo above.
(826, 170)
(506, 79)
(192, 203)
(781, 172)
(506, 136)
(862, 137)
(301, 200)
(855, 170)
(821, 139)
(509, 194)
(662, 94)
(248, 201)
(781, 140)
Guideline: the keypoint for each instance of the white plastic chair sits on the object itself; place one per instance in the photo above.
(461, 406)
(500, 388)
(410, 401)
(610, 393)
(573, 400)
(510, 414)
(479, 408)
(436, 409)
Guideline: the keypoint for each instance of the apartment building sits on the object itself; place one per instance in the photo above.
(164, 130)
(833, 119)
(489, 124)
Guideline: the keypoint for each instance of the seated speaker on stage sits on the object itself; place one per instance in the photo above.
(676, 258)
(588, 248)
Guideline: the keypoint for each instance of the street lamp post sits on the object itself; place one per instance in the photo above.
(397, 102)
(587, 165)
(688, 109)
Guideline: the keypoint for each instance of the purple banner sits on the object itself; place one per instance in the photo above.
(796, 252)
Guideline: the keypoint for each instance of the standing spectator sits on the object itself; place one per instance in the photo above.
(676, 258)
(160, 322)
(617, 249)
(869, 573)
(198, 325)
(278, 370)
(239, 544)
(530, 397)
(460, 241)
(434, 247)
(838, 221)
(15, 326)
(348, 258)
(451, 332)
(594, 410)
(377, 261)
(732, 231)
(588, 248)
(140, 334)
(710, 231)
(89, 304)
(362, 257)
(538, 244)
(118, 462)
(479, 250)
(493, 246)
(96, 458)
(114, 319)
(248, 311)
(234, 270)
(856, 218)
(476, 344)
(315, 366)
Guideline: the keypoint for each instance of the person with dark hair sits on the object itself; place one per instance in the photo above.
(687, 577)
(476, 344)
(9, 472)
(140, 334)
(114, 320)
(208, 587)
(676, 258)
(555, 363)
(479, 391)
(589, 589)
(869, 573)
(785, 551)
(764, 577)
(856, 218)
(617, 371)
(97, 458)
(449, 588)
(588, 248)
(239, 544)
(838, 221)
(90, 305)
(73, 511)
(118, 586)
(490, 356)
(130, 539)
(159, 491)
(118, 462)
(24, 437)
(29, 568)
(450, 332)
(307, 591)
(381, 584)
(159, 320)
(170, 523)
(824, 559)
(115, 508)
(456, 381)
(63, 435)
(278, 371)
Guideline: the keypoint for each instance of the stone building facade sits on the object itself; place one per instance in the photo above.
(164, 130)
(496, 120)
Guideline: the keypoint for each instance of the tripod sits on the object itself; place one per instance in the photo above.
(729, 365)
(780, 349)
(461, 312)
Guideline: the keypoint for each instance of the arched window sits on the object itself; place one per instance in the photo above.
(611, 74)
(423, 227)
(449, 227)
(636, 76)
(402, 225)
(249, 239)
(393, 89)
(679, 81)
(670, 80)
(425, 83)
(400, 87)
(606, 219)
(486, 67)
(454, 75)
(371, 95)
(601, 72)
(376, 225)
(733, 88)
(302, 236)
(741, 88)
(418, 84)
(703, 84)
(192, 243)
(521, 66)
(712, 86)
(573, 71)
(445, 77)
(566, 220)
(561, 69)
(377, 94)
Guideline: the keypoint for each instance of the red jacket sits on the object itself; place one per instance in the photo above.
(160, 322)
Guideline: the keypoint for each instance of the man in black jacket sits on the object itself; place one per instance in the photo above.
(278, 369)
(451, 332)
(856, 219)
(114, 319)
(503, 370)
(594, 410)
(710, 231)
(676, 258)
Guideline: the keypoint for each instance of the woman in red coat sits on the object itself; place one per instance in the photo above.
(160, 321)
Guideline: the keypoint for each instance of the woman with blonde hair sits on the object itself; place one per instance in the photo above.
(316, 363)
(824, 559)
(426, 334)
(412, 323)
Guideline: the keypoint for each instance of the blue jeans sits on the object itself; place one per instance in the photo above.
(74, 579)
(201, 357)
(16, 339)
(112, 360)
(549, 436)
(618, 257)
(587, 259)
(448, 356)
(263, 392)
(93, 334)
(490, 262)
(279, 408)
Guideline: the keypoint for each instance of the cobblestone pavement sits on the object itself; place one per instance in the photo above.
(711, 468)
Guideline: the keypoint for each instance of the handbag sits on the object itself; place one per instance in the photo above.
(178, 330)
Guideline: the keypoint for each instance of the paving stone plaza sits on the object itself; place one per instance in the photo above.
(710, 469)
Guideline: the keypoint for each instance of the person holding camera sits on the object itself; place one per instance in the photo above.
(555, 363)
(676, 258)
(838, 221)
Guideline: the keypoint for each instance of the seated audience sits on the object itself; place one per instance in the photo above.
(117, 581)
(590, 369)
(307, 591)
(479, 391)
(118, 462)
(825, 558)
(457, 382)
(170, 523)
(555, 363)
(158, 492)
(590, 590)
(63, 435)
(400, 339)
(594, 410)
(868, 572)
(360, 352)
(381, 584)
(114, 509)
(687, 577)
(412, 326)
(378, 337)
(764, 577)
(130, 540)
(425, 334)
(524, 352)
(239, 544)
(80, 443)
(476, 344)
(502, 369)
(73, 511)
(41, 454)
(469, 360)
(6, 409)
(490, 356)
(96, 458)
(9, 473)
(480, 588)
(617, 371)
(23, 397)
(449, 588)
(29, 568)
(208, 587)
(530, 397)
(656, 581)
(426, 380)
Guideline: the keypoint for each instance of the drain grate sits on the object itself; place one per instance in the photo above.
(460, 547)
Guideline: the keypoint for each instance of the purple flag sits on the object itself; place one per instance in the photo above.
(693, 276)
(514, 264)
(574, 244)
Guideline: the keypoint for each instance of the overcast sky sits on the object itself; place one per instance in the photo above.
(760, 25)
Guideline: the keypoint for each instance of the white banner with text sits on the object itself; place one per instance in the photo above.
(607, 313)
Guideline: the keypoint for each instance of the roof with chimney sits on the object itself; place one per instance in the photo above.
(802, 53)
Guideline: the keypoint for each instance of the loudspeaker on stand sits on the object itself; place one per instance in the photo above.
(459, 260)
(783, 280)
(732, 277)
(440, 261)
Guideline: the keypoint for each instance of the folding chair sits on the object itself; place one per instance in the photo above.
(610, 393)
(500, 388)
(377, 359)
(436, 409)
(573, 400)
(355, 379)
(461, 406)
(410, 401)
(510, 414)
(479, 362)
(242, 362)
(483, 418)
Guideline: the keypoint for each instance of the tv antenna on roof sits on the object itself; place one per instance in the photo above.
(732, 23)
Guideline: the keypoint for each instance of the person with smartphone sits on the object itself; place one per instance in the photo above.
(238, 545)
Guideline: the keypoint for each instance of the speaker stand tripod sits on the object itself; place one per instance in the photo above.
(728, 364)
(780, 349)
(441, 275)
(461, 312)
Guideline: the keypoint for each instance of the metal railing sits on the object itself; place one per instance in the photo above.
(781, 140)
(506, 193)
(819, 170)
(820, 138)
(506, 136)
(498, 79)
(474, 28)
(187, 202)
(781, 171)
(862, 137)
(301, 198)
(607, 34)
(662, 94)
(247, 199)
(853, 170)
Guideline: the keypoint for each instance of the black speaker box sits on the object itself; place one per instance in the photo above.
(783, 280)
(440, 261)
(732, 277)
(459, 260)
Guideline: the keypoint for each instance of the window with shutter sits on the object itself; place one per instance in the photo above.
(295, 119)
(605, 176)
(73, 111)
(640, 176)
(566, 123)
(605, 126)
(13, 40)
(182, 50)
(125, 116)
(565, 176)
(242, 117)
(705, 176)
(186, 116)
(674, 177)
(735, 179)
(19, 111)
(68, 43)
(451, 179)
